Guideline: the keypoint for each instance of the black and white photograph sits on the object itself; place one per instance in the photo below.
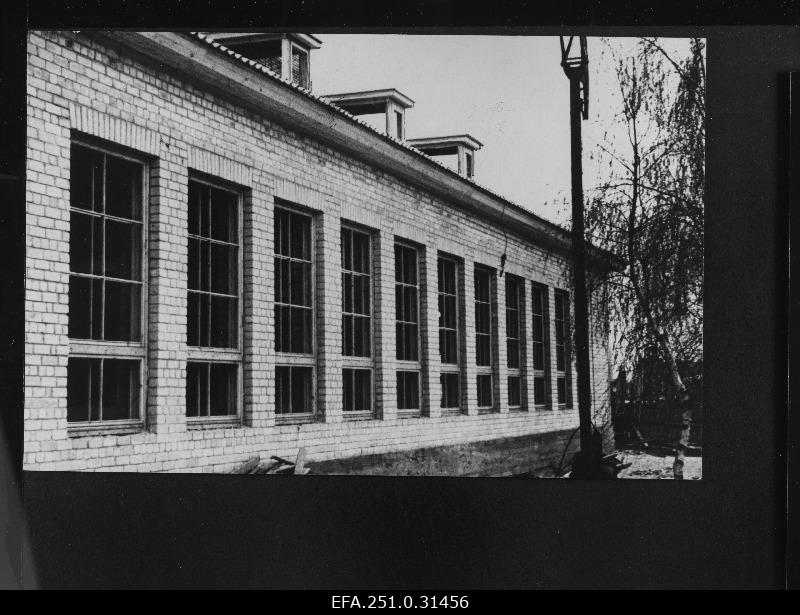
(398, 303)
(399, 255)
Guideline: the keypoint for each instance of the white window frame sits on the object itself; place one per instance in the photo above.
(491, 369)
(229, 356)
(519, 371)
(566, 373)
(293, 359)
(544, 372)
(403, 365)
(457, 367)
(354, 362)
(100, 349)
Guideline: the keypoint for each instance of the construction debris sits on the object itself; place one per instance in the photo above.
(275, 465)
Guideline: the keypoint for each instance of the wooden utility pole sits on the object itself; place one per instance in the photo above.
(575, 62)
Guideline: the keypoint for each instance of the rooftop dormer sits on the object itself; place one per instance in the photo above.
(391, 103)
(287, 55)
(462, 146)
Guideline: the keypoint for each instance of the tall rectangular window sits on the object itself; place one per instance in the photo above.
(514, 341)
(406, 275)
(398, 117)
(563, 375)
(484, 335)
(357, 320)
(106, 286)
(294, 313)
(213, 300)
(449, 347)
(541, 354)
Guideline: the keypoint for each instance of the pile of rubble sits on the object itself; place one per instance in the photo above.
(275, 465)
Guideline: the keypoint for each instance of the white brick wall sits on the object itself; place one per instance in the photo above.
(179, 128)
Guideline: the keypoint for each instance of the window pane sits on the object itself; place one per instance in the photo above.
(300, 285)
(561, 383)
(194, 206)
(347, 249)
(80, 307)
(282, 389)
(222, 380)
(122, 315)
(484, 350)
(450, 390)
(80, 242)
(300, 330)
(282, 328)
(559, 303)
(282, 280)
(512, 351)
(363, 389)
(224, 215)
(539, 391)
(514, 391)
(98, 244)
(484, 390)
(538, 356)
(361, 295)
(123, 188)
(301, 389)
(347, 385)
(300, 237)
(86, 169)
(347, 335)
(347, 292)
(282, 223)
(83, 389)
(123, 250)
(408, 390)
(560, 358)
(196, 389)
(224, 269)
(538, 329)
(361, 256)
(357, 389)
(224, 323)
(361, 341)
(193, 265)
(120, 389)
(293, 389)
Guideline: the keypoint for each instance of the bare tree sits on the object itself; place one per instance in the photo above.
(649, 210)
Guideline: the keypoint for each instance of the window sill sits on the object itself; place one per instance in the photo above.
(451, 412)
(517, 409)
(110, 428)
(487, 411)
(358, 416)
(298, 419)
(214, 422)
(542, 408)
(406, 414)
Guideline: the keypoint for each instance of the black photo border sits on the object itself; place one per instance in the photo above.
(103, 530)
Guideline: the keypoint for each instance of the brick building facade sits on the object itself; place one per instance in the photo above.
(220, 264)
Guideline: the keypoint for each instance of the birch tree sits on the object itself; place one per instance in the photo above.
(649, 209)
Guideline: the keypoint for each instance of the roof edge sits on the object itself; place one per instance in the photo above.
(229, 74)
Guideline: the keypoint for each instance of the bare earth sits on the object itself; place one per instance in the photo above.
(646, 465)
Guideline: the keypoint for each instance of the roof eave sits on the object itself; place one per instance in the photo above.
(230, 76)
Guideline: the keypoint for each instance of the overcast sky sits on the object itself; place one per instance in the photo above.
(509, 92)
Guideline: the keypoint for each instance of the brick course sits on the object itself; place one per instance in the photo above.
(78, 86)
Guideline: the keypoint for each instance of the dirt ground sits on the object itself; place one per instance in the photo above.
(646, 464)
